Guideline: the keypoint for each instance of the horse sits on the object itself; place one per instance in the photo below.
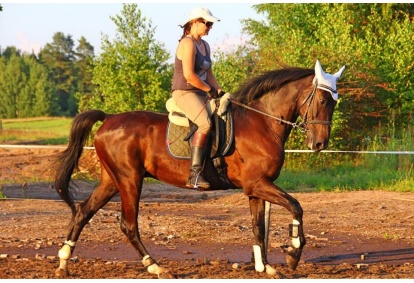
(131, 146)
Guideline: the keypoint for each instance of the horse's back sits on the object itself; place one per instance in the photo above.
(132, 127)
(133, 122)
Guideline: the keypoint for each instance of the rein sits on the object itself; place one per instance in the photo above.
(301, 126)
(295, 125)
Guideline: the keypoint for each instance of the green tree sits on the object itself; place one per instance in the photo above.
(59, 57)
(9, 51)
(40, 89)
(131, 72)
(13, 79)
(3, 96)
(25, 90)
(373, 40)
(83, 65)
(233, 68)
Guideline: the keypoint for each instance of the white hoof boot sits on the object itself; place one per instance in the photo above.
(64, 256)
(258, 262)
(295, 234)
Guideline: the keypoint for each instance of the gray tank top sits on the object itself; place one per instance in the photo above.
(202, 64)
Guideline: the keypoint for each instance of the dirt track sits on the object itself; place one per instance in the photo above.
(367, 234)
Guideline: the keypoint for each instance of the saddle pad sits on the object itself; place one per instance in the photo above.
(221, 138)
(176, 145)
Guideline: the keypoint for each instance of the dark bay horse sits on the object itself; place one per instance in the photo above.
(132, 146)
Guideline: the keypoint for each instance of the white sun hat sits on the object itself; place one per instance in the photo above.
(201, 12)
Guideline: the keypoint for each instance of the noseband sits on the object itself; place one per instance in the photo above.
(303, 125)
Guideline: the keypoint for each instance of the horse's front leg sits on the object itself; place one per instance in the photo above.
(260, 211)
(267, 191)
(295, 232)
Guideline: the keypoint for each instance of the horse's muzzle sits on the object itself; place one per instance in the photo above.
(317, 143)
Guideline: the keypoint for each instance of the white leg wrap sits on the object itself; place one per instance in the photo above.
(70, 243)
(64, 254)
(146, 261)
(152, 267)
(295, 241)
(258, 262)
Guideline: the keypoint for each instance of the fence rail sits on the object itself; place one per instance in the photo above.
(288, 150)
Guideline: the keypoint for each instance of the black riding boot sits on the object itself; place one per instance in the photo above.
(198, 150)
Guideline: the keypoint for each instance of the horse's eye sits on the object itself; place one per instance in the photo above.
(322, 101)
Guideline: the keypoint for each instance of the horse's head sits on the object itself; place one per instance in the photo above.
(317, 108)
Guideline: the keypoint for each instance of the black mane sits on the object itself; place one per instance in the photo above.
(256, 87)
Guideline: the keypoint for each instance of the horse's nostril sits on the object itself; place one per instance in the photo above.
(320, 146)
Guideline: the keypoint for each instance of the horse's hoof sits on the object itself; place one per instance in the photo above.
(166, 275)
(293, 257)
(270, 270)
(61, 272)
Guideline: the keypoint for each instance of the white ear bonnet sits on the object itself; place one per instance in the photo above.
(326, 81)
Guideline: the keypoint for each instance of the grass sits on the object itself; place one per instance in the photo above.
(351, 171)
(346, 178)
(46, 130)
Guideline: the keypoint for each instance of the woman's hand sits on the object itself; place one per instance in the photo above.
(213, 93)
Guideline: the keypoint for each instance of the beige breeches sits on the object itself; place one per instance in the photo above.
(193, 105)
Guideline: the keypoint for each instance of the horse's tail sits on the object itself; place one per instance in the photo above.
(67, 161)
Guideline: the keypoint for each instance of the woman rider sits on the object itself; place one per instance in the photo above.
(194, 85)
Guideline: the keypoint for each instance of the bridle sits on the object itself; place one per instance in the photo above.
(311, 98)
(304, 124)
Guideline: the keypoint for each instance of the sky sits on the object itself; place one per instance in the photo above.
(30, 26)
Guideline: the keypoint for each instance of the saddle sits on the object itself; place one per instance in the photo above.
(180, 129)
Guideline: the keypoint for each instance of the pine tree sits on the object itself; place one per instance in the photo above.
(84, 63)
(59, 57)
(13, 79)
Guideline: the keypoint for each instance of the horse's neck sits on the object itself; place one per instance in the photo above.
(280, 107)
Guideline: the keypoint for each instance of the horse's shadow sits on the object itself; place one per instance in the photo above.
(403, 255)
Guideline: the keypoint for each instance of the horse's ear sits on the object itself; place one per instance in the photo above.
(338, 74)
(318, 70)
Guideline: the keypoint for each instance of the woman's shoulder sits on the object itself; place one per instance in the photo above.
(186, 46)
(187, 40)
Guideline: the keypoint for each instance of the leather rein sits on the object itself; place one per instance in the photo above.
(301, 126)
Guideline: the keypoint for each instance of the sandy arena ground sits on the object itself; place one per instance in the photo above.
(365, 234)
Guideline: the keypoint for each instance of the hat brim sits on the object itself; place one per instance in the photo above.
(208, 18)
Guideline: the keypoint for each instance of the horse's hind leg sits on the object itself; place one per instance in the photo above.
(85, 211)
(259, 213)
(130, 194)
